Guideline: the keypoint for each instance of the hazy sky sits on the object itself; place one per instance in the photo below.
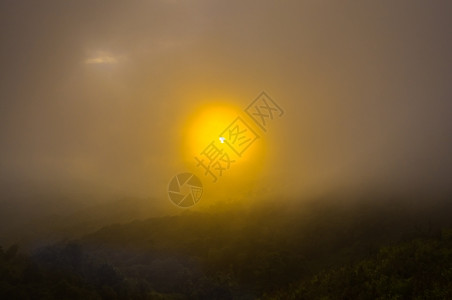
(93, 94)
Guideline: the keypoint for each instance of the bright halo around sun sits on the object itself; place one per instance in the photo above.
(207, 124)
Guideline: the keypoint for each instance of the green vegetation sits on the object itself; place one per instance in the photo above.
(314, 251)
(419, 269)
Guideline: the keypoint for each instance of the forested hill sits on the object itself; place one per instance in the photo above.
(334, 251)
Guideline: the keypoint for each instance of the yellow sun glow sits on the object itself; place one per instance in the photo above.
(206, 125)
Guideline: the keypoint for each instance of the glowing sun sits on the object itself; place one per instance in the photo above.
(212, 131)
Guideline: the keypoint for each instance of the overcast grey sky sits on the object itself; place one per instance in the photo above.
(92, 93)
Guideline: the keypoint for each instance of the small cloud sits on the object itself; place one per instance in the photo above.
(101, 57)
